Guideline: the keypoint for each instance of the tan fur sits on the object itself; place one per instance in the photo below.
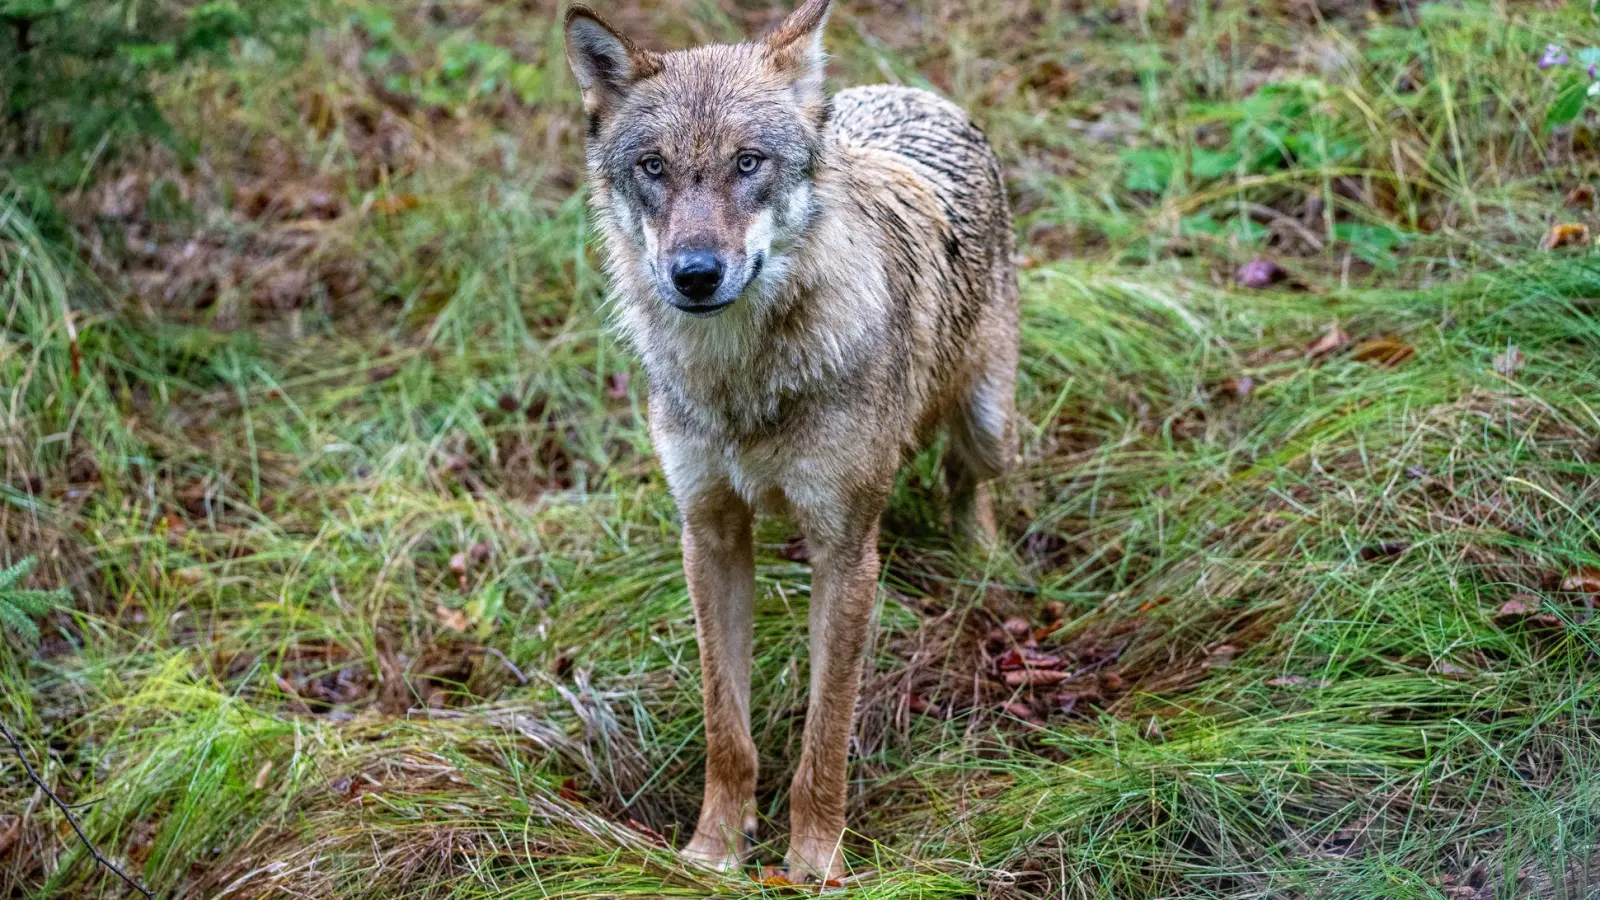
(874, 303)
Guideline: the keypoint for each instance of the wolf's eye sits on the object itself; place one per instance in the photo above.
(748, 162)
(652, 166)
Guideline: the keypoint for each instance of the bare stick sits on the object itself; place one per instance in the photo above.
(66, 810)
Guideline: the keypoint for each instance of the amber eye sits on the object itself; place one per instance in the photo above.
(652, 166)
(748, 162)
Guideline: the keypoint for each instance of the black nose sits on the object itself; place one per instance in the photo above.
(696, 274)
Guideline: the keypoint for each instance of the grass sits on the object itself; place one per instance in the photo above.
(375, 588)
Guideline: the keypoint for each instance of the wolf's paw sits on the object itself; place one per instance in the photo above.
(721, 849)
(812, 860)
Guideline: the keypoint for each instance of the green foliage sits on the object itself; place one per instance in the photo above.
(459, 70)
(77, 76)
(18, 606)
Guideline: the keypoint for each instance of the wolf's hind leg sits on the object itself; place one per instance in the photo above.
(982, 444)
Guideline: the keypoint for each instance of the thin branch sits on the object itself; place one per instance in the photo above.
(66, 810)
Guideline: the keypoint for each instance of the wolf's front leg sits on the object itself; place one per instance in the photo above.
(720, 565)
(844, 579)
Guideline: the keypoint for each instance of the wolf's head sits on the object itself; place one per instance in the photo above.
(702, 160)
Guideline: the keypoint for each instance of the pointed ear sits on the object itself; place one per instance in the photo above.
(605, 63)
(795, 49)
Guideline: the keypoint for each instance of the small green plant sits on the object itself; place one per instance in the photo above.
(1576, 91)
(19, 605)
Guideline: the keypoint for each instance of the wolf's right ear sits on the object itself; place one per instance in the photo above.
(605, 63)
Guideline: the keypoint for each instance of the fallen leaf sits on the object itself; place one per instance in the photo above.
(1584, 581)
(1582, 195)
(1332, 341)
(1518, 607)
(1222, 654)
(1035, 677)
(771, 877)
(261, 775)
(1564, 234)
(1111, 681)
(1236, 387)
(396, 203)
(453, 619)
(655, 836)
(1019, 711)
(1044, 631)
(1018, 627)
(570, 793)
(1510, 362)
(1259, 273)
(1385, 352)
(1027, 659)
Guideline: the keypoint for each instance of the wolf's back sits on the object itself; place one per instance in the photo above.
(926, 176)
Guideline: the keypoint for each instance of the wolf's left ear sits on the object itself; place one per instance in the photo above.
(605, 63)
(795, 49)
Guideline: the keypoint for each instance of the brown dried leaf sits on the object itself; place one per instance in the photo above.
(1384, 352)
(1584, 581)
(1019, 711)
(1565, 234)
(1332, 341)
(396, 203)
(1520, 606)
(1035, 677)
(1236, 387)
(453, 619)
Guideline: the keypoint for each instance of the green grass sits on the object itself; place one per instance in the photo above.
(275, 679)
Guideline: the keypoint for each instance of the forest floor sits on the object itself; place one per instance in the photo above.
(374, 583)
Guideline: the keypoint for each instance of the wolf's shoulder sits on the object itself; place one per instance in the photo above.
(906, 120)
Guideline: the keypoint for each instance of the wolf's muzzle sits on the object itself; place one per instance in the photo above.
(697, 274)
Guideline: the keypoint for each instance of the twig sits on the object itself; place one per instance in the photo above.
(521, 678)
(66, 810)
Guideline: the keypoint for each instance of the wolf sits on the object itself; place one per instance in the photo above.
(816, 286)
